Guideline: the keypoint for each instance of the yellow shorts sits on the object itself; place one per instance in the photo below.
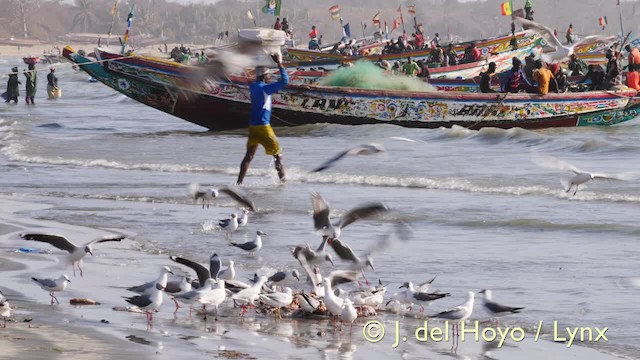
(263, 135)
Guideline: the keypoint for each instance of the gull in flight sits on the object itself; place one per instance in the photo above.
(203, 273)
(368, 149)
(53, 285)
(561, 52)
(580, 177)
(323, 224)
(76, 253)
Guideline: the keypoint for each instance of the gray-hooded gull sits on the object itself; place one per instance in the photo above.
(321, 214)
(149, 287)
(202, 272)
(149, 302)
(496, 309)
(76, 253)
(53, 285)
(251, 247)
(367, 149)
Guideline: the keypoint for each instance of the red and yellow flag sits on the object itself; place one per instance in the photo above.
(506, 8)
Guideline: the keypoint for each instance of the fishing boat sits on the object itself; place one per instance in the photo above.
(225, 105)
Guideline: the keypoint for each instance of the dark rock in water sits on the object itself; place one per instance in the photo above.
(104, 321)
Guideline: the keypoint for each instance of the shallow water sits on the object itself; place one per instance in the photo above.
(485, 215)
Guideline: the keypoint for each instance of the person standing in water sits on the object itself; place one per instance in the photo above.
(13, 90)
(260, 131)
(31, 85)
(52, 85)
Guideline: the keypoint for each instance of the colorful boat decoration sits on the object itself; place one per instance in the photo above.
(226, 106)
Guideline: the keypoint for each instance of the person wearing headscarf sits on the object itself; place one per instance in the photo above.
(31, 84)
(13, 90)
(53, 91)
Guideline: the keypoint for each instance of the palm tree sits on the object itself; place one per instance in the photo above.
(85, 17)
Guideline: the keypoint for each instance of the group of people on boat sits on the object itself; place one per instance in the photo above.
(184, 55)
(31, 85)
(536, 76)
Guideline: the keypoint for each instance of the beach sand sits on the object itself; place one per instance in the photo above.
(64, 331)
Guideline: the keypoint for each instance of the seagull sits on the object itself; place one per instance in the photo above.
(252, 246)
(321, 212)
(459, 313)
(149, 302)
(424, 287)
(278, 300)
(411, 294)
(196, 193)
(5, 309)
(561, 52)
(202, 272)
(53, 285)
(228, 273)
(192, 296)
(348, 313)
(150, 287)
(248, 296)
(304, 253)
(214, 297)
(179, 287)
(283, 276)
(245, 217)
(229, 225)
(308, 303)
(76, 253)
(496, 309)
(331, 301)
(209, 194)
(580, 177)
(367, 149)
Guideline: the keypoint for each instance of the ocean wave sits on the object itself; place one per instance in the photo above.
(544, 225)
(50, 126)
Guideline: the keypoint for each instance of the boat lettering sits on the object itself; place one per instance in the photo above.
(478, 110)
(324, 104)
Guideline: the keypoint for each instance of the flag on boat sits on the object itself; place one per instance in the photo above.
(272, 7)
(401, 18)
(506, 8)
(376, 19)
(346, 30)
(335, 12)
(411, 9)
(129, 21)
(395, 24)
(602, 20)
(114, 9)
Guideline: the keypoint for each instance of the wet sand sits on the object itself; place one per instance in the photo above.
(62, 331)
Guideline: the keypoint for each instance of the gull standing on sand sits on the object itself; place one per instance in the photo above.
(331, 301)
(76, 253)
(561, 52)
(321, 212)
(150, 287)
(193, 296)
(412, 295)
(228, 273)
(53, 285)
(5, 309)
(251, 247)
(229, 225)
(214, 297)
(368, 149)
(149, 302)
(458, 314)
(278, 300)
(496, 309)
(580, 177)
(244, 220)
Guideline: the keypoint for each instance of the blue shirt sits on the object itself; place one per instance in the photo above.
(261, 98)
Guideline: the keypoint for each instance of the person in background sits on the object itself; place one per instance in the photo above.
(424, 70)
(485, 79)
(527, 10)
(13, 90)
(436, 41)
(633, 78)
(452, 55)
(569, 35)
(513, 43)
(31, 84)
(418, 40)
(577, 66)
(596, 75)
(277, 25)
(410, 68)
(634, 56)
(559, 81)
(514, 79)
(396, 68)
(285, 25)
(260, 131)
(613, 74)
(383, 64)
(53, 91)
(314, 32)
(542, 76)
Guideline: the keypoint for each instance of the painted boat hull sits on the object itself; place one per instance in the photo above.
(226, 106)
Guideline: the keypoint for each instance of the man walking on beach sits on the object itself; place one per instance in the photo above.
(260, 131)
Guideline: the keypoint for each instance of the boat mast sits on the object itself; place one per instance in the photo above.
(621, 25)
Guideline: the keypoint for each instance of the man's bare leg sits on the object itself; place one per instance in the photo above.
(279, 166)
(244, 166)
